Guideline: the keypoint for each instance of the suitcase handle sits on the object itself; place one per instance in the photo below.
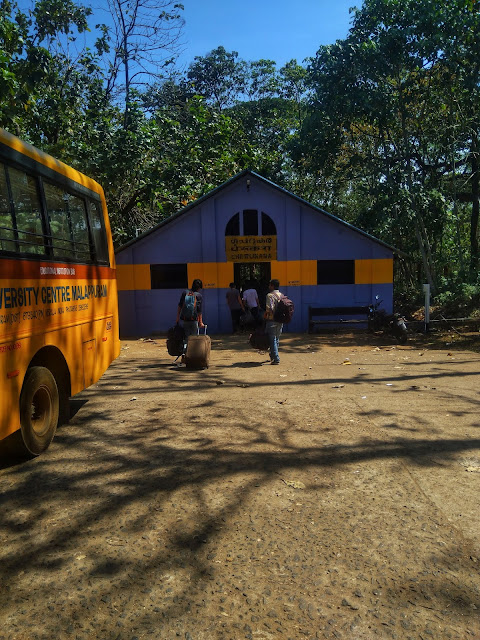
(204, 330)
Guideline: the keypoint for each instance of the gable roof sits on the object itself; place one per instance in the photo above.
(239, 176)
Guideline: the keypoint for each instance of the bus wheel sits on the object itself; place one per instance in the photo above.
(39, 408)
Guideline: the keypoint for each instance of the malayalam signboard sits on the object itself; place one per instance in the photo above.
(251, 248)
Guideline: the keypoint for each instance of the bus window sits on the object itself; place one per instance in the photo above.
(78, 217)
(68, 224)
(7, 233)
(99, 235)
(27, 212)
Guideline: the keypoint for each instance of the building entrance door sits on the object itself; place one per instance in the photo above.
(254, 274)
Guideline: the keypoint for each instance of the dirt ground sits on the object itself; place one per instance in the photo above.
(333, 496)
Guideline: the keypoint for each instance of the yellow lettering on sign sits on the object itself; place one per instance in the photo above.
(251, 248)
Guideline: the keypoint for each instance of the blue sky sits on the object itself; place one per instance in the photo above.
(275, 29)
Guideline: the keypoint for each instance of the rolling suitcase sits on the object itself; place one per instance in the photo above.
(197, 355)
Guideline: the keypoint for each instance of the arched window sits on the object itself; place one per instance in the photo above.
(250, 223)
(268, 226)
(233, 226)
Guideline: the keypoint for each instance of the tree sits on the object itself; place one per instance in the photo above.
(381, 114)
(442, 39)
(218, 77)
(11, 38)
(262, 79)
(146, 35)
(163, 162)
(46, 81)
(293, 86)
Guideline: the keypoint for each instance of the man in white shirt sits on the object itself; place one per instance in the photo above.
(250, 298)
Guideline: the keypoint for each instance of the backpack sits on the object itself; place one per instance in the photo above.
(284, 311)
(189, 309)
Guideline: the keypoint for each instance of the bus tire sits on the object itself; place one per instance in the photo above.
(39, 409)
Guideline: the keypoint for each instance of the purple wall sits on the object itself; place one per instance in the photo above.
(198, 235)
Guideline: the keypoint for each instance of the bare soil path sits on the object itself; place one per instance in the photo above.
(334, 496)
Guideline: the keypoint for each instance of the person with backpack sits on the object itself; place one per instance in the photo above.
(272, 328)
(278, 310)
(189, 309)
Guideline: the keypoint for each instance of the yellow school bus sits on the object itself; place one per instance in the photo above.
(58, 293)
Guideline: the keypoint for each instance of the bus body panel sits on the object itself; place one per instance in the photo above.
(53, 310)
(18, 350)
(14, 361)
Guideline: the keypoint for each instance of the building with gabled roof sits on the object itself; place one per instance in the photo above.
(249, 229)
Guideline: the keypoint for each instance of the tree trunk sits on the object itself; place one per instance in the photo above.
(475, 209)
(127, 83)
(420, 230)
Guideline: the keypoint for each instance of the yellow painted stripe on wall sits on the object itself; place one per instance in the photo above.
(143, 279)
(309, 272)
(374, 271)
(214, 275)
(133, 277)
(125, 279)
(218, 275)
(225, 274)
(278, 271)
(294, 273)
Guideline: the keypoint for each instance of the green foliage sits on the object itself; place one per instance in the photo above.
(458, 297)
(394, 115)
(218, 77)
(54, 17)
(11, 47)
(381, 129)
(47, 92)
(161, 164)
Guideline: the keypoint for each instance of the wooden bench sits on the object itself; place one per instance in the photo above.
(317, 315)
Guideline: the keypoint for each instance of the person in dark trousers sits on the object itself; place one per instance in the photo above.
(250, 298)
(189, 310)
(235, 305)
(273, 329)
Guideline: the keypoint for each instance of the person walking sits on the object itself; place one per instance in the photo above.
(272, 328)
(189, 310)
(235, 305)
(250, 298)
